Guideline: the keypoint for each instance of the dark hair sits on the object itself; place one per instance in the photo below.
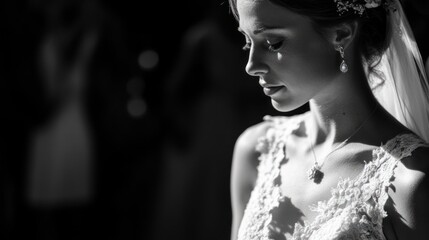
(372, 37)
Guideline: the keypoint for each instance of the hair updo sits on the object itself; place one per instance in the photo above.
(373, 34)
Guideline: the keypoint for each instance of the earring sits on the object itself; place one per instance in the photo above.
(343, 67)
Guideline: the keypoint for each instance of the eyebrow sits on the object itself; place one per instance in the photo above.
(260, 29)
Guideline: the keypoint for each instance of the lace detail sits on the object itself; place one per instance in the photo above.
(266, 194)
(356, 207)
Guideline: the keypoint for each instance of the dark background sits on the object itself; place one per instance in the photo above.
(164, 95)
(161, 136)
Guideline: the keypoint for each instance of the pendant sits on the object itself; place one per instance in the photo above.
(343, 67)
(315, 174)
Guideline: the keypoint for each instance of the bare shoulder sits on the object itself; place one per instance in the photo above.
(245, 157)
(244, 171)
(248, 140)
(413, 171)
(410, 196)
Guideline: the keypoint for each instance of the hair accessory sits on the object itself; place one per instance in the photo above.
(359, 6)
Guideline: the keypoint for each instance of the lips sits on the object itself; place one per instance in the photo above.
(272, 90)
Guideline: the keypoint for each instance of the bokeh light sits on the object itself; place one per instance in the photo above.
(148, 59)
(136, 107)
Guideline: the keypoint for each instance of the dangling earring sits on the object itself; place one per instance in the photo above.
(343, 67)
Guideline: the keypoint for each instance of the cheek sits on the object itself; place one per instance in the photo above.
(308, 63)
(322, 60)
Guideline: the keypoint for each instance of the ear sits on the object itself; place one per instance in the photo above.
(343, 34)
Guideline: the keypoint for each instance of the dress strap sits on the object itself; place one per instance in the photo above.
(266, 194)
(403, 145)
(280, 127)
(275, 132)
(387, 157)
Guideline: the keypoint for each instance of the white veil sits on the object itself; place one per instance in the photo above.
(404, 89)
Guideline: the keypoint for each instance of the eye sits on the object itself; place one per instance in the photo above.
(274, 46)
(246, 46)
(248, 43)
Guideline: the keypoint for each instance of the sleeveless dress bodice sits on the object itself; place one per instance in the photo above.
(355, 209)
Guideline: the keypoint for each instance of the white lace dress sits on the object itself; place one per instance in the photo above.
(355, 209)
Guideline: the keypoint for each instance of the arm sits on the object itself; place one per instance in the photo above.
(244, 172)
(411, 197)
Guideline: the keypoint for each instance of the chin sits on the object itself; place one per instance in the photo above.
(285, 106)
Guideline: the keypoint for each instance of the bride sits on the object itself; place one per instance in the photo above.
(354, 166)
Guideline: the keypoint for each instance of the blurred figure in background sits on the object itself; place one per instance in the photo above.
(80, 158)
(61, 154)
(88, 158)
(23, 110)
(208, 101)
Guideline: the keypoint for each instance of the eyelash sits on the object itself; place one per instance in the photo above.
(246, 46)
(275, 46)
(271, 47)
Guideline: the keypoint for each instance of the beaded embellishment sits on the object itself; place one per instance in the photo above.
(360, 6)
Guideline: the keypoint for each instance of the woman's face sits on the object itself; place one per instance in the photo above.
(294, 63)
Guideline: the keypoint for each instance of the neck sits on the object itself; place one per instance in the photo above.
(341, 108)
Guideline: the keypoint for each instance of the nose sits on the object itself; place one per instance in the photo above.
(255, 65)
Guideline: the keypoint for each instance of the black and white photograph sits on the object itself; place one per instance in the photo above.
(214, 120)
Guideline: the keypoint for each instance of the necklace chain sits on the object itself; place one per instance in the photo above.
(314, 173)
